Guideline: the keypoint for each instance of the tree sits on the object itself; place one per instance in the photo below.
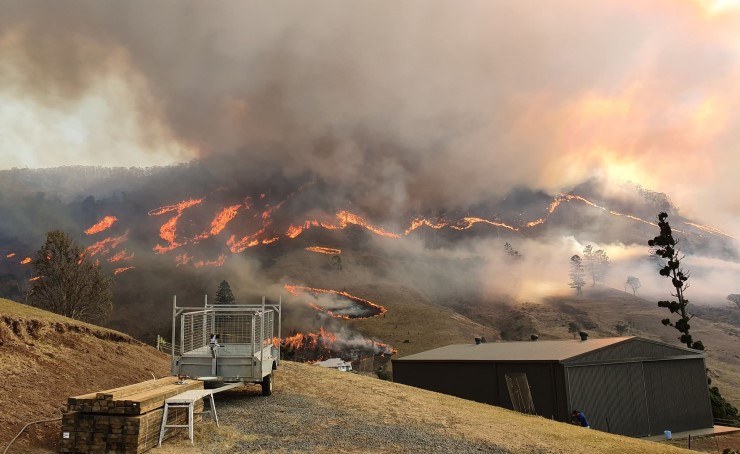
(667, 250)
(513, 253)
(622, 328)
(574, 328)
(596, 263)
(577, 274)
(224, 294)
(665, 247)
(69, 283)
(634, 283)
(735, 298)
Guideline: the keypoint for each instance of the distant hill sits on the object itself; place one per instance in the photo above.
(45, 358)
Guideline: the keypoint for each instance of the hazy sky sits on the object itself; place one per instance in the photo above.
(435, 100)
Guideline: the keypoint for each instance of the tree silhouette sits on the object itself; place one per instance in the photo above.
(224, 294)
(667, 250)
(735, 298)
(577, 274)
(513, 253)
(634, 283)
(69, 283)
(595, 263)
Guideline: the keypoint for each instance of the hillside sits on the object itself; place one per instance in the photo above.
(45, 358)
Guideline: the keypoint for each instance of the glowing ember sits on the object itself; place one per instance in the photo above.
(26, 261)
(363, 303)
(35, 278)
(183, 259)
(324, 250)
(10, 256)
(218, 262)
(105, 224)
(121, 256)
(121, 270)
(104, 246)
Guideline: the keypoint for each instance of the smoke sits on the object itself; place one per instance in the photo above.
(417, 106)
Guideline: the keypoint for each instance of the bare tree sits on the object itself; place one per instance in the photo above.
(595, 263)
(735, 298)
(577, 274)
(633, 283)
(69, 283)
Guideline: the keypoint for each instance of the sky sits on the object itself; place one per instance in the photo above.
(436, 102)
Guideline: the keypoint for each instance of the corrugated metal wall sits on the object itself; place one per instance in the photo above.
(611, 396)
(677, 395)
(474, 381)
(636, 348)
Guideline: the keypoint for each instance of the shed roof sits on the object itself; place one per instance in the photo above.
(553, 351)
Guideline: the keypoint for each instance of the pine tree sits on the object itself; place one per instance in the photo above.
(224, 294)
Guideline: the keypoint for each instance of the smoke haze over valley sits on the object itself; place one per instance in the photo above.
(189, 142)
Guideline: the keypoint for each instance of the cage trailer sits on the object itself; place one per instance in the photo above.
(228, 343)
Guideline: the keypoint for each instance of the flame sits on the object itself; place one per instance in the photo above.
(26, 261)
(345, 218)
(168, 231)
(105, 245)
(332, 342)
(121, 256)
(296, 290)
(223, 218)
(10, 256)
(218, 262)
(183, 259)
(121, 270)
(105, 224)
(709, 229)
(35, 278)
(246, 242)
(324, 250)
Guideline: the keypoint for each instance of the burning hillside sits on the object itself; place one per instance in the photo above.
(338, 304)
(304, 347)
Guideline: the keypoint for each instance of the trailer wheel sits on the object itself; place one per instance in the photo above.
(267, 385)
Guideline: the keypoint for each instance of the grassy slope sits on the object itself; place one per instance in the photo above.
(361, 398)
(45, 358)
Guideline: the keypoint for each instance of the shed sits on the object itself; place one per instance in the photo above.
(624, 385)
(336, 363)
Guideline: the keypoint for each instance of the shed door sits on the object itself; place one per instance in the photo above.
(611, 396)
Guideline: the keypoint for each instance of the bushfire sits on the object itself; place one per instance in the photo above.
(324, 250)
(360, 308)
(322, 345)
(104, 224)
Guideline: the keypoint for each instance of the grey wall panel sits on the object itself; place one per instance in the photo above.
(677, 395)
(611, 396)
(474, 381)
(635, 348)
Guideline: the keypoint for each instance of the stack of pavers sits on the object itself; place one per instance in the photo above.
(123, 420)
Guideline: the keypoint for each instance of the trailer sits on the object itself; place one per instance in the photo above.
(229, 343)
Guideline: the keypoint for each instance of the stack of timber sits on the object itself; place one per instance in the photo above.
(123, 420)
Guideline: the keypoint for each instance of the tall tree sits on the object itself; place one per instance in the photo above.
(735, 298)
(224, 295)
(595, 263)
(69, 283)
(577, 274)
(667, 250)
(633, 283)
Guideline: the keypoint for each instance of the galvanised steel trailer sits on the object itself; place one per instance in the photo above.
(229, 343)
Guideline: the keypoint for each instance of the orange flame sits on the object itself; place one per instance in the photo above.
(121, 270)
(26, 261)
(183, 259)
(121, 256)
(168, 231)
(179, 207)
(105, 245)
(10, 256)
(223, 218)
(105, 224)
(35, 278)
(331, 341)
(218, 262)
(296, 290)
(345, 217)
(324, 250)
(709, 229)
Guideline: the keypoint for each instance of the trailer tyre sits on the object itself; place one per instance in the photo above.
(267, 385)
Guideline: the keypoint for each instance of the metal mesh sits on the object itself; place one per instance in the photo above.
(238, 328)
(195, 328)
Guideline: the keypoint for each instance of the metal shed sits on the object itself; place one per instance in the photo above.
(624, 385)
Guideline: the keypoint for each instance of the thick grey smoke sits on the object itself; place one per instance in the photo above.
(418, 105)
